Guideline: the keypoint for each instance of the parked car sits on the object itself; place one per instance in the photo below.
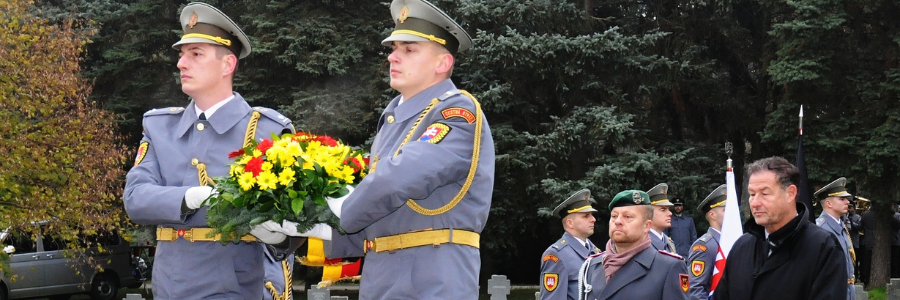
(44, 268)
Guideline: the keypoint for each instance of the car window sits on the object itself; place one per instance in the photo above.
(52, 244)
(23, 244)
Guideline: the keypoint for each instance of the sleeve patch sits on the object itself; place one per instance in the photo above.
(460, 113)
(141, 152)
(685, 282)
(697, 267)
(698, 247)
(551, 281)
(550, 257)
(435, 133)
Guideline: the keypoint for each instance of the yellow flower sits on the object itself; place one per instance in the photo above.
(293, 149)
(286, 176)
(257, 153)
(244, 160)
(246, 181)
(267, 180)
(266, 166)
(235, 171)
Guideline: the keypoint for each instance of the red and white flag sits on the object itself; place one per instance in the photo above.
(731, 228)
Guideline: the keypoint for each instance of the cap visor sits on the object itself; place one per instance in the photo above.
(589, 209)
(403, 38)
(193, 40)
(663, 203)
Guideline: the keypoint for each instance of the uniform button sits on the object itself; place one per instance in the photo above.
(390, 119)
(194, 161)
(173, 109)
(201, 127)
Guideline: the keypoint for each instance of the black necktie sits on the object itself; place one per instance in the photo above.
(202, 116)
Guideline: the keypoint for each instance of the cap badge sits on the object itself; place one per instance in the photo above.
(193, 21)
(636, 197)
(586, 197)
(404, 13)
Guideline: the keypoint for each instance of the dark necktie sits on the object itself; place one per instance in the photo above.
(202, 116)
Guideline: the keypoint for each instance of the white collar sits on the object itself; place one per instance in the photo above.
(209, 112)
(657, 234)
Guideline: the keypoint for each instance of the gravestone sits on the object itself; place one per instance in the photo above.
(498, 287)
(315, 293)
(133, 297)
(859, 292)
(339, 298)
(893, 289)
(537, 295)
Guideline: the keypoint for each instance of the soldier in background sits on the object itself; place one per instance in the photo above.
(662, 218)
(835, 200)
(683, 232)
(702, 260)
(631, 268)
(560, 262)
(852, 221)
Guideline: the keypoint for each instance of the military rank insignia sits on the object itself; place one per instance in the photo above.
(458, 112)
(550, 257)
(435, 133)
(685, 282)
(697, 267)
(141, 152)
(700, 248)
(551, 281)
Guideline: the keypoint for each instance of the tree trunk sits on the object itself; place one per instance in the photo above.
(881, 252)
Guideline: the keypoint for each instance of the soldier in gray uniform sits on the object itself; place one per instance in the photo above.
(631, 268)
(662, 218)
(702, 259)
(278, 278)
(418, 215)
(835, 201)
(182, 149)
(560, 262)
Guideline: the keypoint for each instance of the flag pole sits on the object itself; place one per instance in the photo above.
(731, 223)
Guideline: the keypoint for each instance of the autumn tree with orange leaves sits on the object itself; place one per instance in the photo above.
(60, 157)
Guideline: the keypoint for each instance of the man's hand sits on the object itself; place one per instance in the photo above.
(335, 204)
(267, 236)
(321, 230)
(194, 197)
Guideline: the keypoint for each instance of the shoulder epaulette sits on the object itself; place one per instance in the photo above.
(164, 111)
(705, 237)
(671, 254)
(273, 114)
(820, 220)
(559, 244)
(448, 94)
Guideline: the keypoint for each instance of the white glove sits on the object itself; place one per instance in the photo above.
(335, 204)
(195, 196)
(321, 230)
(267, 236)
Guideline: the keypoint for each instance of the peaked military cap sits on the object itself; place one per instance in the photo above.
(658, 195)
(677, 201)
(629, 198)
(836, 188)
(715, 199)
(420, 21)
(203, 23)
(578, 202)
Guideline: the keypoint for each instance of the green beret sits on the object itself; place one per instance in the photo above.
(578, 202)
(836, 188)
(629, 198)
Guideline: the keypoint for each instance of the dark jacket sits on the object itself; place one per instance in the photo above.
(806, 263)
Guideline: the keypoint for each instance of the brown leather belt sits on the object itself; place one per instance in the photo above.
(422, 238)
(192, 234)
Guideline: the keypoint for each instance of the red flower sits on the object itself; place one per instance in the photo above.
(355, 164)
(234, 154)
(326, 140)
(254, 166)
(264, 145)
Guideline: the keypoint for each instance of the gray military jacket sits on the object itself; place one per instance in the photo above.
(837, 228)
(559, 267)
(702, 263)
(650, 274)
(429, 171)
(154, 192)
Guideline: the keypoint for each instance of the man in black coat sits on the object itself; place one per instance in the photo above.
(782, 255)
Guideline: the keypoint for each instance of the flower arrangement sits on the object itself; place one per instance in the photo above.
(283, 178)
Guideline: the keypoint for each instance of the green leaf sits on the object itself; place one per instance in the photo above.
(297, 206)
